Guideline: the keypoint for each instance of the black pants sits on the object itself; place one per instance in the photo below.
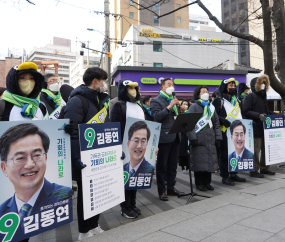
(130, 199)
(203, 178)
(84, 225)
(167, 165)
(224, 157)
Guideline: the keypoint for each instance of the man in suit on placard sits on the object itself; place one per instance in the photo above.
(23, 150)
(238, 131)
(138, 137)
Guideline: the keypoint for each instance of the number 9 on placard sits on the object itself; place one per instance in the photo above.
(8, 225)
(90, 136)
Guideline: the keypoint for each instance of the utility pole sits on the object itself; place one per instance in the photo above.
(87, 54)
(107, 41)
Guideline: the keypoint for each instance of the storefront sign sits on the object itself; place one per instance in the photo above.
(148, 81)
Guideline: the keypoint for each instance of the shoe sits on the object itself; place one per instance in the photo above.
(268, 172)
(135, 209)
(237, 178)
(174, 192)
(209, 187)
(97, 230)
(84, 236)
(128, 213)
(228, 181)
(163, 197)
(202, 188)
(256, 175)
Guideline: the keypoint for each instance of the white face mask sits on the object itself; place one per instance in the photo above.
(262, 86)
(249, 91)
(205, 96)
(102, 89)
(169, 90)
(186, 106)
(54, 87)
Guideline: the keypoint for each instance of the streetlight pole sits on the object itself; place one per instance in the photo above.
(107, 40)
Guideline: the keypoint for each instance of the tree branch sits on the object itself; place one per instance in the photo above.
(248, 37)
(177, 9)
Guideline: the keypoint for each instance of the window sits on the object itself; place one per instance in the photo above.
(131, 2)
(178, 6)
(157, 64)
(156, 7)
(155, 20)
(157, 46)
(131, 15)
(193, 27)
(178, 19)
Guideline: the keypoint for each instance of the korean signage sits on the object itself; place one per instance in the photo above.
(240, 145)
(102, 178)
(274, 138)
(36, 171)
(140, 144)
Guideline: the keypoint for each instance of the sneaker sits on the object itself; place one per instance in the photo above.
(268, 172)
(128, 213)
(97, 230)
(256, 175)
(84, 236)
(135, 209)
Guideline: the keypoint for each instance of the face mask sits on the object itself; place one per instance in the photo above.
(232, 91)
(205, 96)
(169, 90)
(27, 87)
(54, 87)
(186, 106)
(262, 86)
(133, 93)
(249, 91)
(102, 89)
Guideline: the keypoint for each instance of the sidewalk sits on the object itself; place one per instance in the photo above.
(251, 211)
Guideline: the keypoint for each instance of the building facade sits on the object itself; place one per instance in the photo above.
(199, 22)
(174, 48)
(59, 51)
(5, 66)
(78, 68)
(235, 16)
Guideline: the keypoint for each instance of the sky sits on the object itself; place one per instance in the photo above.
(25, 26)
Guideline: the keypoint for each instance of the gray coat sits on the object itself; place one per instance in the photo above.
(162, 115)
(204, 154)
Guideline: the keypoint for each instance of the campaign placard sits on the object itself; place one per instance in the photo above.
(141, 139)
(240, 145)
(274, 139)
(35, 178)
(102, 178)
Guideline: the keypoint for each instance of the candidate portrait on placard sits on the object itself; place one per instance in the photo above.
(138, 137)
(238, 134)
(24, 159)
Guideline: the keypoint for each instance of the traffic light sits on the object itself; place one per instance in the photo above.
(109, 54)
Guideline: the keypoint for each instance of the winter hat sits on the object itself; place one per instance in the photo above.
(242, 87)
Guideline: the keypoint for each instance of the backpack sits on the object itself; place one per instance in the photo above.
(85, 106)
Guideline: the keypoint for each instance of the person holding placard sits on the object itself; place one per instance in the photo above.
(227, 106)
(203, 140)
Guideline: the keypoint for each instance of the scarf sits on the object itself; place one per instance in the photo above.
(243, 95)
(206, 106)
(55, 98)
(233, 100)
(169, 99)
(28, 105)
(147, 109)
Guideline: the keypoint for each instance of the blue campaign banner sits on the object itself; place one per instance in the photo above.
(141, 139)
(274, 121)
(95, 136)
(240, 145)
(35, 178)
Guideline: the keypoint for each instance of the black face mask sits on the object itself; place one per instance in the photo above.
(232, 91)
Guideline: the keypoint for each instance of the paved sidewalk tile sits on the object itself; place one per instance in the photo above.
(160, 236)
(265, 200)
(238, 233)
(209, 223)
(271, 220)
(277, 237)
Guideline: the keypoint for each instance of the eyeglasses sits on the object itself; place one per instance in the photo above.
(52, 81)
(239, 135)
(137, 142)
(22, 158)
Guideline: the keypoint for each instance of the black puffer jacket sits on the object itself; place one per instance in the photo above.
(204, 154)
(74, 112)
(256, 103)
(118, 112)
(13, 87)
